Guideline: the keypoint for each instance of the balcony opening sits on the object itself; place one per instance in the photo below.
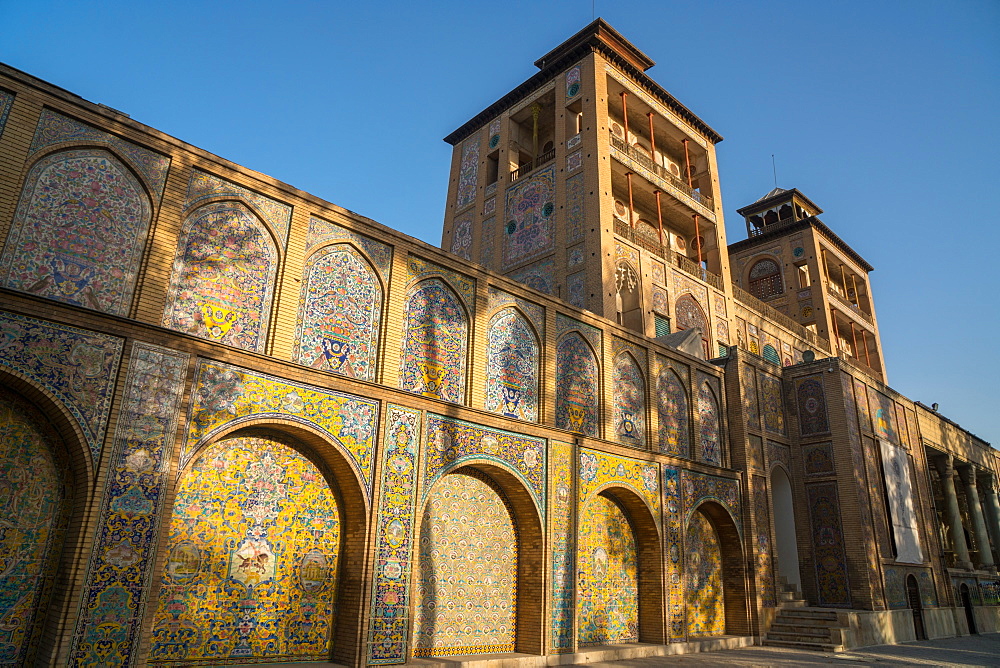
(802, 271)
(492, 167)
(765, 279)
(627, 300)
(785, 212)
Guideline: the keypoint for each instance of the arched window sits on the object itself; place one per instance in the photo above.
(771, 354)
(765, 279)
(689, 314)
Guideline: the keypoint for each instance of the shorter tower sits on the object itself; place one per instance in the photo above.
(792, 262)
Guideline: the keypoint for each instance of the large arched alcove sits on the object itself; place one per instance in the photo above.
(784, 527)
(45, 469)
(264, 558)
(479, 566)
(620, 571)
(714, 559)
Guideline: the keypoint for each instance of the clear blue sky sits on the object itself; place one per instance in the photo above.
(884, 113)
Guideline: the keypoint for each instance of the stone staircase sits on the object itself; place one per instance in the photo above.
(801, 627)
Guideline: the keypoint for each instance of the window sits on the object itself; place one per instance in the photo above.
(803, 274)
(662, 324)
(765, 279)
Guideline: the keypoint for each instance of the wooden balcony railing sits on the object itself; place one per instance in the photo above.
(532, 165)
(647, 163)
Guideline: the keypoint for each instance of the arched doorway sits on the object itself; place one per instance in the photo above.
(714, 574)
(35, 505)
(253, 557)
(784, 528)
(478, 567)
(914, 604)
(970, 615)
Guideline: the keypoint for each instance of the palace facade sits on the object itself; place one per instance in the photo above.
(242, 424)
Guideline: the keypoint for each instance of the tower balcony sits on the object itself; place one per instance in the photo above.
(636, 159)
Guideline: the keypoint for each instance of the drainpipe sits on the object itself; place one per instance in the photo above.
(631, 209)
(659, 215)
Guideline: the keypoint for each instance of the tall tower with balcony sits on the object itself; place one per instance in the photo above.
(792, 262)
(592, 183)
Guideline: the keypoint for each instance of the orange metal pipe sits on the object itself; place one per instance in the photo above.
(625, 114)
(836, 330)
(864, 340)
(697, 237)
(854, 337)
(659, 215)
(631, 210)
(652, 138)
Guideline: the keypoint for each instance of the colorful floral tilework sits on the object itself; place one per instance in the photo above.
(778, 453)
(882, 415)
(574, 161)
(79, 231)
(672, 408)
(121, 562)
(340, 313)
(378, 253)
(629, 393)
(394, 534)
(573, 82)
(660, 300)
(418, 268)
(706, 614)
(512, 366)
(771, 404)
(817, 459)
(224, 394)
(762, 520)
(563, 552)
(530, 217)
(575, 256)
(487, 242)
(829, 551)
(535, 313)
(812, 405)
(54, 128)
(203, 187)
(37, 501)
(709, 425)
(452, 443)
(699, 487)
(674, 555)
(859, 461)
(598, 469)
(466, 593)
(589, 332)
(461, 237)
(864, 414)
(435, 342)
(684, 284)
(76, 365)
(494, 133)
(223, 277)
(252, 559)
(490, 206)
(574, 208)
(577, 385)
(751, 409)
(608, 594)
(577, 289)
(468, 173)
(6, 102)
(538, 276)
(689, 315)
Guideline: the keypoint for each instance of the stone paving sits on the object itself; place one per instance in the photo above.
(977, 650)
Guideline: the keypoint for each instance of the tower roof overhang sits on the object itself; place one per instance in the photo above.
(770, 232)
(598, 37)
(776, 196)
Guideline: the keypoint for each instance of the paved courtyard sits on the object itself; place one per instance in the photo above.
(978, 650)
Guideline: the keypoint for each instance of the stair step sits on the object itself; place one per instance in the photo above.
(806, 613)
(814, 646)
(801, 628)
(795, 603)
(798, 636)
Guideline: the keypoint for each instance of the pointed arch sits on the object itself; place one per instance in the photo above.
(260, 478)
(672, 410)
(629, 393)
(710, 426)
(620, 570)
(80, 230)
(223, 276)
(689, 314)
(512, 365)
(770, 353)
(627, 295)
(340, 313)
(713, 562)
(577, 385)
(487, 494)
(435, 342)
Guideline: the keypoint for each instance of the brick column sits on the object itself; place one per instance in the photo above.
(946, 468)
(968, 475)
(992, 508)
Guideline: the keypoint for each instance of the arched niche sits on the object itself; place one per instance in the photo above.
(709, 426)
(435, 342)
(672, 408)
(486, 491)
(577, 385)
(785, 536)
(45, 494)
(688, 314)
(79, 231)
(731, 567)
(610, 502)
(271, 517)
(512, 366)
(223, 276)
(340, 313)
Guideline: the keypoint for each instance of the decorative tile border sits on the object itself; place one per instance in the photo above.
(419, 268)
(598, 469)
(562, 537)
(535, 313)
(674, 554)
(121, 561)
(203, 186)
(323, 232)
